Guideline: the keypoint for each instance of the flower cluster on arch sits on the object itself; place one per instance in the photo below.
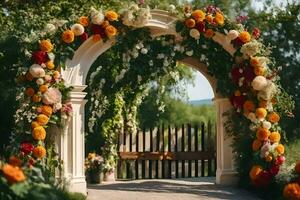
(253, 75)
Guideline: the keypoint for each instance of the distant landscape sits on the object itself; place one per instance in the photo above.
(201, 102)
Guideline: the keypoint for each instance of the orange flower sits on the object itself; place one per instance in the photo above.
(111, 15)
(237, 93)
(209, 19)
(13, 174)
(261, 113)
(273, 117)
(15, 161)
(36, 98)
(209, 33)
(105, 24)
(46, 110)
(39, 133)
(269, 158)
(292, 191)
(34, 124)
(96, 37)
(262, 134)
(43, 88)
(245, 36)
(42, 119)
(263, 104)
(56, 74)
(39, 152)
(255, 171)
(46, 46)
(259, 71)
(198, 15)
(249, 105)
(274, 137)
(256, 145)
(280, 149)
(29, 92)
(68, 36)
(219, 18)
(29, 77)
(190, 23)
(84, 21)
(297, 167)
(254, 62)
(110, 31)
(50, 65)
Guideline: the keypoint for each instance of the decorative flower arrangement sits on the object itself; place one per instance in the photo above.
(292, 190)
(93, 163)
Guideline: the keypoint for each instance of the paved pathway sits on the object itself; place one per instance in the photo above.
(179, 189)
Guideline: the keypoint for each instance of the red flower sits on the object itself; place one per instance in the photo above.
(97, 29)
(84, 37)
(249, 74)
(263, 180)
(274, 170)
(39, 57)
(236, 74)
(200, 27)
(238, 101)
(26, 148)
(280, 160)
(31, 162)
(256, 33)
(237, 42)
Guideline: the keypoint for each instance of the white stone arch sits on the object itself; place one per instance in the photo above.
(71, 142)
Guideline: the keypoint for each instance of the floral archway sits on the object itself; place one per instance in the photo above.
(56, 72)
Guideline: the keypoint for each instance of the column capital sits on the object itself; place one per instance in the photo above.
(77, 95)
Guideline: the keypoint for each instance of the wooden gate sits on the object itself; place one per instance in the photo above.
(168, 152)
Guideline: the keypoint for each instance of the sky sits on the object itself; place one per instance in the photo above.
(202, 89)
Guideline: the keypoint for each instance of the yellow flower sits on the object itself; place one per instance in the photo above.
(111, 15)
(84, 21)
(245, 36)
(262, 134)
(280, 149)
(198, 15)
(274, 137)
(91, 156)
(50, 65)
(209, 33)
(254, 62)
(34, 124)
(13, 174)
(256, 145)
(39, 152)
(255, 171)
(43, 88)
(110, 31)
(42, 119)
(105, 24)
(292, 191)
(39, 133)
(46, 46)
(46, 110)
(259, 71)
(36, 98)
(273, 117)
(68, 36)
(261, 113)
(190, 23)
(219, 18)
(269, 158)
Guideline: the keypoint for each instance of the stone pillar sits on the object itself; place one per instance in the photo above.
(226, 173)
(70, 144)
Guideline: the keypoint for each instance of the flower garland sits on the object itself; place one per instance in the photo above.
(255, 92)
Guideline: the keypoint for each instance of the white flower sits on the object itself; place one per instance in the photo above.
(52, 96)
(51, 56)
(50, 28)
(265, 150)
(251, 48)
(189, 53)
(40, 81)
(166, 63)
(252, 117)
(77, 29)
(144, 51)
(97, 16)
(266, 125)
(57, 107)
(172, 7)
(259, 83)
(136, 16)
(37, 71)
(151, 62)
(268, 91)
(194, 33)
(232, 34)
(160, 56)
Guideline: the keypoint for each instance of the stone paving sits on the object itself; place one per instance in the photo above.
(179, 189)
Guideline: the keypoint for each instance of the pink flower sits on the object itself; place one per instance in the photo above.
(52, 96)
(67, 108)
(84, 37)
(256, 33)
(36, 71)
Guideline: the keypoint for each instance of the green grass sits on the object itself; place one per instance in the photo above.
(293, 151)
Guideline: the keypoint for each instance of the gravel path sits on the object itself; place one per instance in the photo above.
(179, 189)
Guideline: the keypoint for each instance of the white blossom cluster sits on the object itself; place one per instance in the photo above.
(136, 16)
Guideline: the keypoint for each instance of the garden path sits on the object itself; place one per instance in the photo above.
(177, 189)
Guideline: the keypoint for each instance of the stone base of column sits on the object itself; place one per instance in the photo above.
(227, 177)
(78, 184)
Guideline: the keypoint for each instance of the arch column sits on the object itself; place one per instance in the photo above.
(70, 143)
(226, 173)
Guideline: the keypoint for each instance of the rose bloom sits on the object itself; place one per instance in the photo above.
(84, 21)
(13, 174)
(232, 34)
(198, 15)
(110, 31)
(209, 33)
(52, 96)
(39, 133)
(219, 18)
(292, 191)
(26, 147)
(77, 29)
(68, 36)
(190, 23)
(37, 71)
(39, 57)
(194, 33)
(39, 152)
(46, 45)
(111, 15)
(245, 36)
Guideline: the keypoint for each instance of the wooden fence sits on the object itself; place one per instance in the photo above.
(168, 152)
